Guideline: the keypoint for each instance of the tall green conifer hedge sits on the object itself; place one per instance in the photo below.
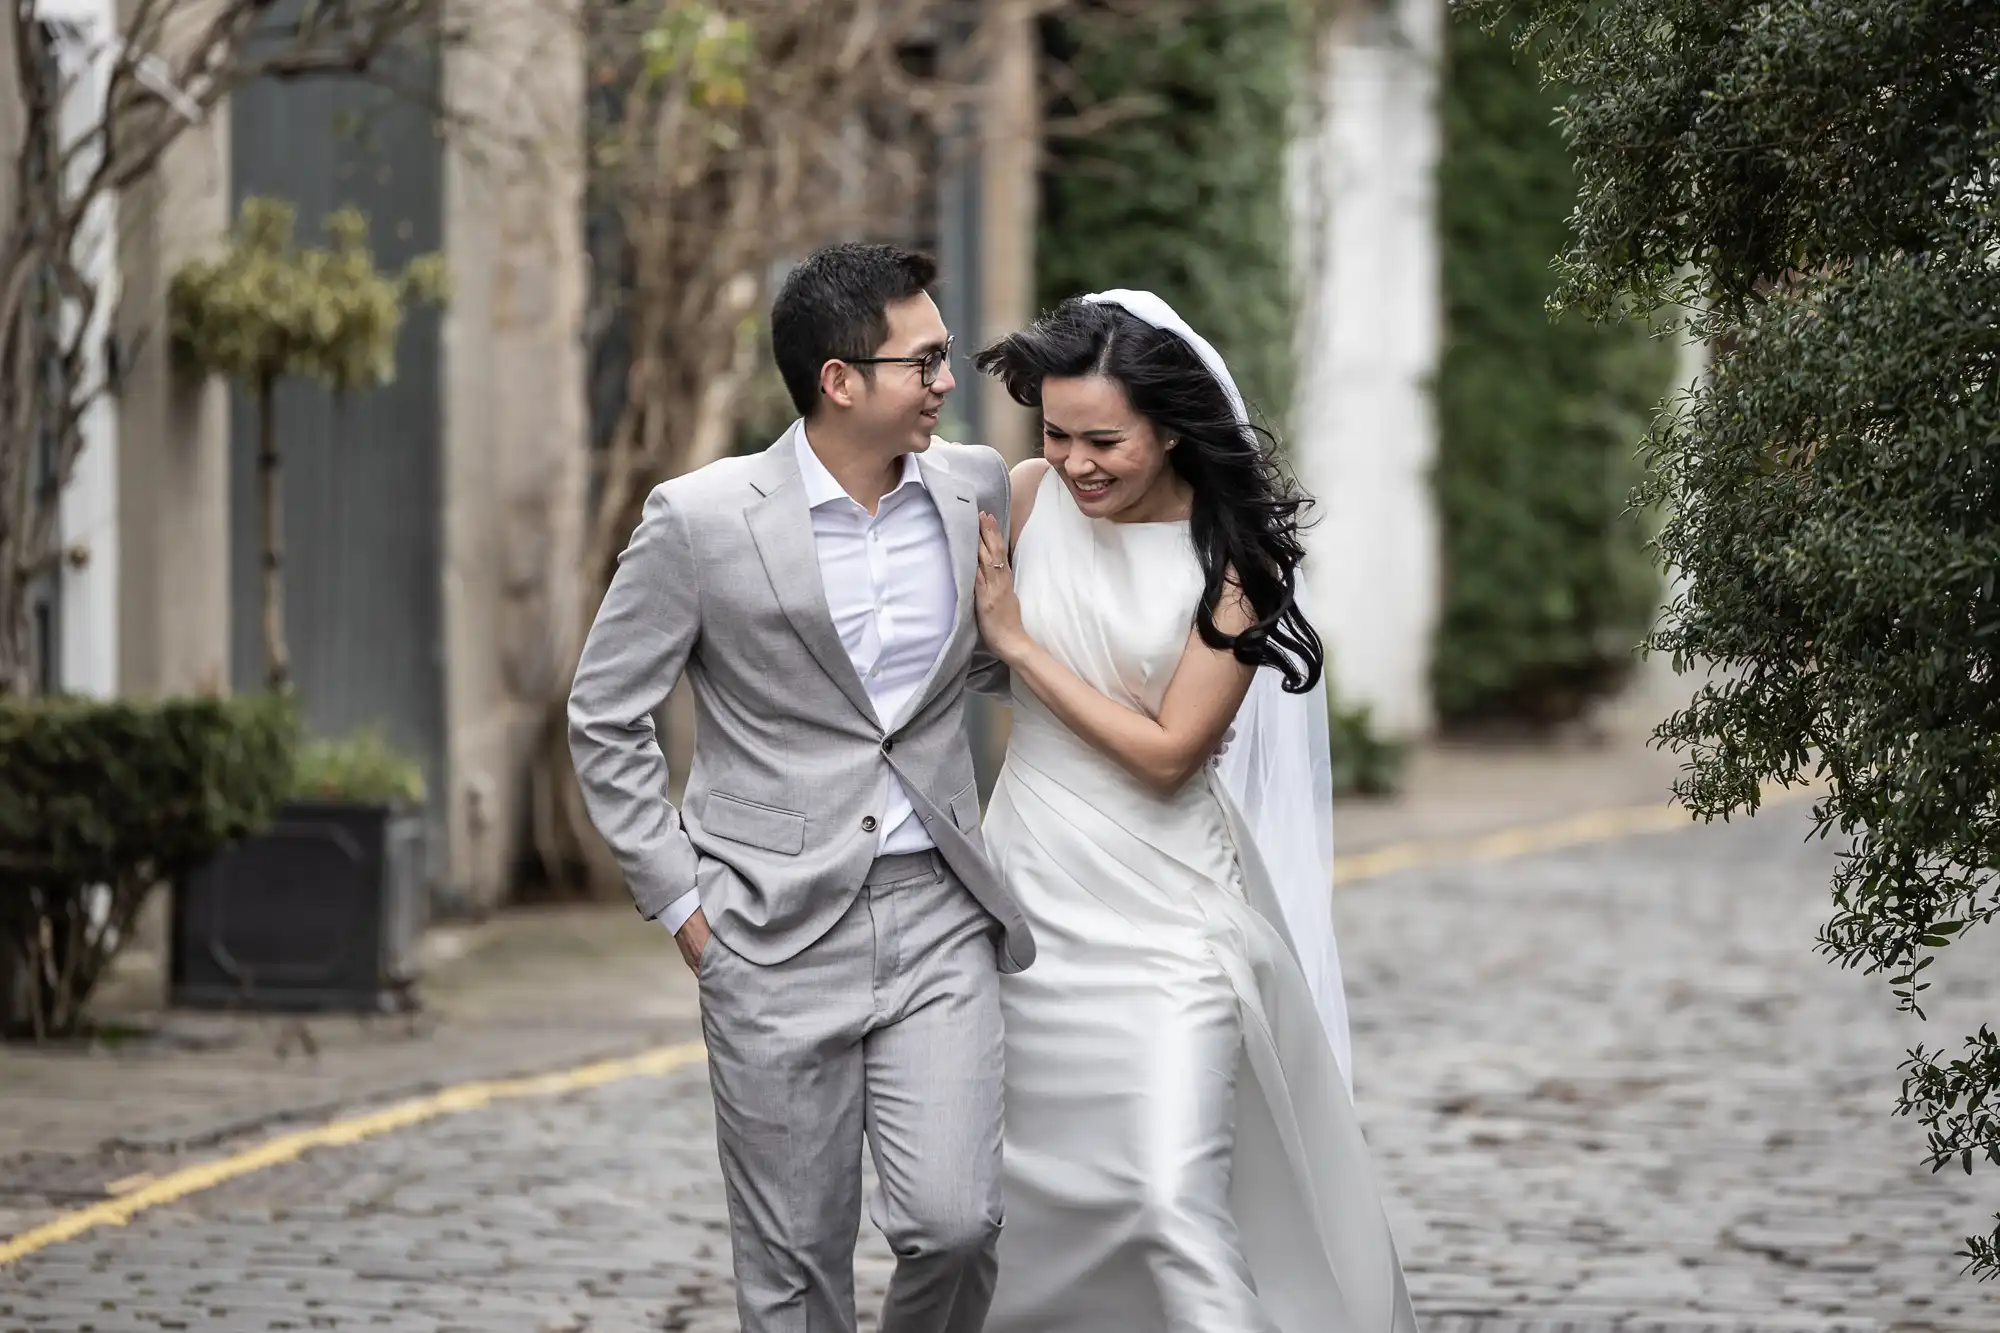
(1548, 588)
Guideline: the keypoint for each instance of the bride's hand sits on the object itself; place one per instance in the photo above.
(993, 595)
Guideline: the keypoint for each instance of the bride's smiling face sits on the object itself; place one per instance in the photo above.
(1113, 460)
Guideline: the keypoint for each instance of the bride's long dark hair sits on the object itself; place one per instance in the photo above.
(1246, 513)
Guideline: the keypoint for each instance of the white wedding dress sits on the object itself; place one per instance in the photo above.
(1181, 1152)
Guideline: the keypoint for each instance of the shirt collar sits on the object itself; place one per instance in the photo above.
(821, 488)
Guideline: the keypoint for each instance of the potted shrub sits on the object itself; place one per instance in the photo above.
(103, 801)
(323, 909)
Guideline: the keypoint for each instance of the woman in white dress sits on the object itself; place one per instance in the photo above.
(1181, 1151)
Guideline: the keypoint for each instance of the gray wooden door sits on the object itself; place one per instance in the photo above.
(362, 475)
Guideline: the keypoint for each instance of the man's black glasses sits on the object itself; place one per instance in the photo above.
(929, 366)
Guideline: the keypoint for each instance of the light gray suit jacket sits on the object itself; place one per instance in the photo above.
(780, 819)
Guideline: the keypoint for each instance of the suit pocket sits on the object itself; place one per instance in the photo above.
(965, 807)
(766, 826)
(711, 954)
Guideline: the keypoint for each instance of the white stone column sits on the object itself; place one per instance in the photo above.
(515, 418)
(87, 518)
(1365, 431)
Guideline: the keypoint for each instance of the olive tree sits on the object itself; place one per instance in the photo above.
(267, 309)
(1814, 180)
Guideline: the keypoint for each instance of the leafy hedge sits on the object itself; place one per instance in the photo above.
(1184, 192)
(1548, 588)
(104, 800)
(1817, 180)
(1365, 763)
(363, 769)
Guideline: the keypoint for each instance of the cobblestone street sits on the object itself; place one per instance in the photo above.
(1610, 1088)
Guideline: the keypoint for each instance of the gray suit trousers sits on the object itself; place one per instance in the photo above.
(888, 1024)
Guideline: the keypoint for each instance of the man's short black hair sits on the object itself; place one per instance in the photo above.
(835, 307)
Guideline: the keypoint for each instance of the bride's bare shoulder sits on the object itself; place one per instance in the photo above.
(1026, 477)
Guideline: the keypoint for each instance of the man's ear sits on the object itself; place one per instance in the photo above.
(836, 382)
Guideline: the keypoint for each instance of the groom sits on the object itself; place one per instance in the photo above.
(824, 876)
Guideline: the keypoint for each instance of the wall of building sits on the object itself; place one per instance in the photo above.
(173, 437)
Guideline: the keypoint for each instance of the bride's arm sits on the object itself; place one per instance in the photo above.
(1164, 752)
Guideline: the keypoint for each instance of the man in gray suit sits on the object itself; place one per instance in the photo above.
(824, 875)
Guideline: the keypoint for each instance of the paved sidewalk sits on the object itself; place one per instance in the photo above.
(1456, 790)
(527, 991)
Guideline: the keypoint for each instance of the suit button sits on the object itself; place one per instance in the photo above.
(888, 745)
(868, 823)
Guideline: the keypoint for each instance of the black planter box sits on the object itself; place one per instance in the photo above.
(322, 911)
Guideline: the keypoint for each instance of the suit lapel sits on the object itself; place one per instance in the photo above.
(959, 508)
(781, 525)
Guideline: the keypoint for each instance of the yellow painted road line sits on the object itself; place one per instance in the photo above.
(464, 1097)
(1531, 839)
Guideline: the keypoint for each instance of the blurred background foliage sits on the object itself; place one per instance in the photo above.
(1548, 587)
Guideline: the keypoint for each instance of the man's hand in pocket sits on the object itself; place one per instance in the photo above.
(693, 939)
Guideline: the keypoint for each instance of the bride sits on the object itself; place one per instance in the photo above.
(1181, 1151)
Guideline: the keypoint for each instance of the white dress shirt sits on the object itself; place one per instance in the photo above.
(889, 586)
